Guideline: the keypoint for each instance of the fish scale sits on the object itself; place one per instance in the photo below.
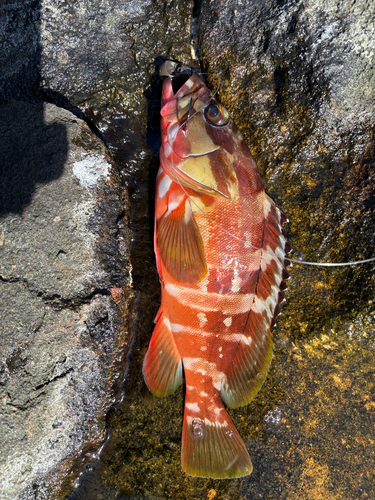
(221, 256)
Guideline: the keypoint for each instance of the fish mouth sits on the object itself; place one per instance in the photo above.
(179, 81)
(172, 69)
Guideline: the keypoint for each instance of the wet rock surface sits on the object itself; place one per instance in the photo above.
(67, 242)
(101, 55)
(62, 335)
(298, 80)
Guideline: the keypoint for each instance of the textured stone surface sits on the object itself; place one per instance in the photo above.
(19, 48)
(98, 51)
(298, 79)
(84, 44)
(91, 52)
(61, 333)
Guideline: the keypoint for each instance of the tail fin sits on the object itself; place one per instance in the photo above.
(211, 445)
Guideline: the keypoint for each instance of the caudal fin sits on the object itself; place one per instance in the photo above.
(211, 445)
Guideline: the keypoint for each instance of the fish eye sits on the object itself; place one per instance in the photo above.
(216, 115)
(213, 112)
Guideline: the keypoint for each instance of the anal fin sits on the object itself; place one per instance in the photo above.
(162, 366)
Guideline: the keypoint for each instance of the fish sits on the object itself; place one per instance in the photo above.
(221, 255)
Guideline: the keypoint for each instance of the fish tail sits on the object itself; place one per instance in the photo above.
(211, 445)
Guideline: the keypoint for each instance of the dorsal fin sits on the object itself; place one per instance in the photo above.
(254, 353)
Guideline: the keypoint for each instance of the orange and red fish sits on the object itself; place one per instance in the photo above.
(221, 257)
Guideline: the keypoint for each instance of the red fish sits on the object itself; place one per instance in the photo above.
(221, 257)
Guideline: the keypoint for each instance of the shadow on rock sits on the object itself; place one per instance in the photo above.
(31, 152)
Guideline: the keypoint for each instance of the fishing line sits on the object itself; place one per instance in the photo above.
(229, 233)
(331, 264)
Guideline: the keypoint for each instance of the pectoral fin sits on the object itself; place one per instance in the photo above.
(180, 244)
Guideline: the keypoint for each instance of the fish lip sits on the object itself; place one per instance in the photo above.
(173, 71)
(169, 95)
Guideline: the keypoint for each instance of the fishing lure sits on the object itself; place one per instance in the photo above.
(221, 255)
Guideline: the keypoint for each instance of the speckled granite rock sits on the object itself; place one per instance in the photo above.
(88, 52)
(19, 48)
(62, 335)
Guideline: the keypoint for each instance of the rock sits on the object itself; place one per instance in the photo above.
(91, 53)
(121, 41)
(62, 334)
(19, 49)
(297, 78)
(65, 243)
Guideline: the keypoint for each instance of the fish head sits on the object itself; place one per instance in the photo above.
(198, 138)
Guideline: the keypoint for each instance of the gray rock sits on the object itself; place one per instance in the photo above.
(98, 50)
(299, 81)
(64, 214)
(88, 51)
(19, 48)
(62, 335)
(86, 44)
